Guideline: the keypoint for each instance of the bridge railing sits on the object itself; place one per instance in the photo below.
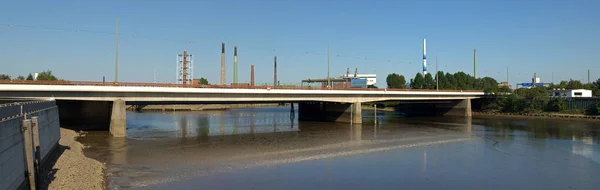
(232, 86)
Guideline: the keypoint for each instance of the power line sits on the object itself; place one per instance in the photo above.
(136, 36)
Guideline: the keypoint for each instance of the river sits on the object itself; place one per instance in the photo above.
(268, 148)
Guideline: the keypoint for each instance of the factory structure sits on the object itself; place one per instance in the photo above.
(347, 80)
(535, 81)
(185, 68)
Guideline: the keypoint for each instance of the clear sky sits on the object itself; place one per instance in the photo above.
(381, 37)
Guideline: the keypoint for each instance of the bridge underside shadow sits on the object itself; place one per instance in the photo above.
(459, 108)
(93, 115)
(111, 115)
(331, 112)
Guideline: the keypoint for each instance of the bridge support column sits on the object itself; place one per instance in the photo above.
(460, 108)
(332, 112)
(118, 121)
(356, 113)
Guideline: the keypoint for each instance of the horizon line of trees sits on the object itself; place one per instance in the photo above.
(44, 75)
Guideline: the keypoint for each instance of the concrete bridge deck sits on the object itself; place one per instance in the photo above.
(105, 105)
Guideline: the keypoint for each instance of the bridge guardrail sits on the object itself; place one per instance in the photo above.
(91, 83)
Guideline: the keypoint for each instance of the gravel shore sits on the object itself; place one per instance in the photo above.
(69, 168)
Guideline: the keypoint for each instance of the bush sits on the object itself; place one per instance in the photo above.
(556, 105)
(573, 111)
(594, 109)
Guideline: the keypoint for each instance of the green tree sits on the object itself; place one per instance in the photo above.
(450, 82)
(440, 79)
(46, 75)
(29, 77)
(594, 109)
(486, 84)
(574, 84)
(428, 82)
(202, 81)
(4, 77)
(20, 77)
(512, 104)
(417, 82)
(395, 81)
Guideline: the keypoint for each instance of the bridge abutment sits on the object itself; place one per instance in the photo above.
(118, 119)
(331, 112)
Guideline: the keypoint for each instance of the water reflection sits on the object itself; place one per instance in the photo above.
(209, 123)
(162, 147)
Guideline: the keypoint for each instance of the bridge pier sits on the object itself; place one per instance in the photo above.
(331, 112)
(118, 121)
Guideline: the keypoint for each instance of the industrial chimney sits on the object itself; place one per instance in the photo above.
(222, 63)
(275, 71)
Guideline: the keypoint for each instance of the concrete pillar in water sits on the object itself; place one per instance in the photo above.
(118, 122)
(357, 113)
(467, 106)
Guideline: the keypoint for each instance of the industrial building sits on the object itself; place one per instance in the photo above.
(346, 81)
(571, 93)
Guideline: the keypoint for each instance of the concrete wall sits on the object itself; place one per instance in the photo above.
(12, 147)
(12, 156)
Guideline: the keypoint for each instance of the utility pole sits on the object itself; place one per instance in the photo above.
(437, 77)
(552, 77)
(507, 83)
(154, 75)
(328, 64)
(117, 54)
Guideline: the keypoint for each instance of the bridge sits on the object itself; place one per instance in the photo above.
(105, 104)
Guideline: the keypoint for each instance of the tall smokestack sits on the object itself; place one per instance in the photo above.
(252, 75)
(184, 67)
(222, 63)
(275, 71)
(235, 65)
(424, 57)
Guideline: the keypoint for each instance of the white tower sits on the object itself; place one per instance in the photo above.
(424, 57)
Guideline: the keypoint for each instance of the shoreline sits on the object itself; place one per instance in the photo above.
(69, 168)
(539, 115)
(196, 107)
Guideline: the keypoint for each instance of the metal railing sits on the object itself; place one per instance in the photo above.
(232, 86)
(18, 109)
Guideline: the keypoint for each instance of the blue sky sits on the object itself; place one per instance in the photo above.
(542, 36)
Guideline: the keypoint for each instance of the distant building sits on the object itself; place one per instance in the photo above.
(571, 93)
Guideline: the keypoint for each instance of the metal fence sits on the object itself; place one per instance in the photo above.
(581, 103)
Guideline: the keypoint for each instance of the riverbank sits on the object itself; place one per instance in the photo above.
(192, 107)
(539, 115)
(69, 168)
